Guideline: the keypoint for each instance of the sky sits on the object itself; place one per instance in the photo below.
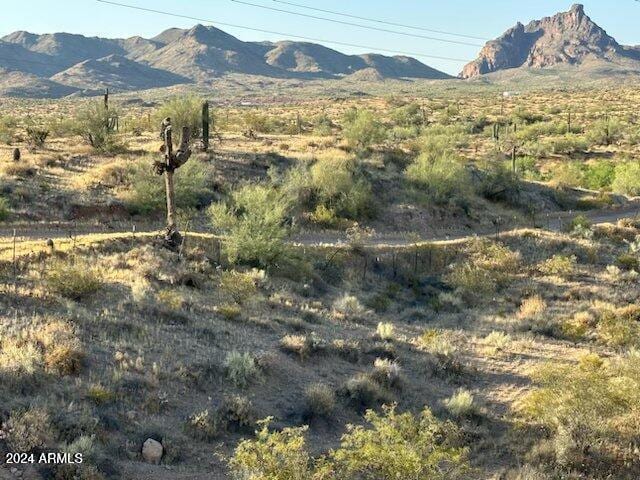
(484, 19)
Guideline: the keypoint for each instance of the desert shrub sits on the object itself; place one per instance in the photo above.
(605, 131)
(254, 221)
(7, 129)
(487, 267)
(28, 430)
(258, 122)
(558, 265)
(599, 175)
(184, 111)
(619, 327)
(590, 410)
(63, 353)
(461, 404)
(399, 445)
(93, 123)
(340, 188)
(391, 445)
(361, 129)
(499, 182)
(320, 400)
(170, 300)
(385, 331)
(532, 307)
(522, 115)
(203, 425)
(229, 311)
(272, 455)
(441, 344)
(19, 357)
(241, 368)
(36, 135)
(147, 190)
(4, 209)
(72, 279)
(348, 305)
(439, 172)
(323, 125)
(627, 178)
(410, 115)
(301, 345)
(496, 342)
(387, 373)
(237, 285)
(567, 174)
(362, 391)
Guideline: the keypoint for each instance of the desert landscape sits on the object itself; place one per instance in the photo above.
(276, 261)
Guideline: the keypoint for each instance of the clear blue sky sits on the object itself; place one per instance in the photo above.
(485, 19)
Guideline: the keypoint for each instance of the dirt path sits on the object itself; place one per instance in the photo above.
(554, 222)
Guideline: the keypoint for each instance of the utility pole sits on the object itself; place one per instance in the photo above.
(168, 166)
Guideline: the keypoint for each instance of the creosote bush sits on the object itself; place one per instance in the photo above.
(241, 368)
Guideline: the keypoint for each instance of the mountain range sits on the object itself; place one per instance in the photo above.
(60, 64)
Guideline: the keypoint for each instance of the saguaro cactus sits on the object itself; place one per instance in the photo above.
(172, 161)
(205, 126)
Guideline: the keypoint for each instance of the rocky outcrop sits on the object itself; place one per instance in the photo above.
(566, 38)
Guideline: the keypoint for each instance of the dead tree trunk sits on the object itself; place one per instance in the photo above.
(168, 166)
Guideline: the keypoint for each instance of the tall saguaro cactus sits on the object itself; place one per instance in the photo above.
(205, 126)
(170, 163)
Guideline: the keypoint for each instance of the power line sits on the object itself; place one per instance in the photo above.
(359, 25)
(383, 22)
(311, 39)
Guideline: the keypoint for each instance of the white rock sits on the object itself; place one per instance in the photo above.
(152, 451)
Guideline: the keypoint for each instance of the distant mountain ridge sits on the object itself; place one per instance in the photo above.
(567, 38)
(65, 62)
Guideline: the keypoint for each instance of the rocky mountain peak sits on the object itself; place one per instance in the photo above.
(565, 38)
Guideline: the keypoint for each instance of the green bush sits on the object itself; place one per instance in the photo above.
(409, 115)
(273, 455)
(439, 171)
(627, 178)
(254, 222)
(605, 131)
(147, 190)
(94, 124)
(600, 175)
(391, 446)
(399, 445)
(499, 182)
(361, 129)
(591, 411)
(184, 111)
